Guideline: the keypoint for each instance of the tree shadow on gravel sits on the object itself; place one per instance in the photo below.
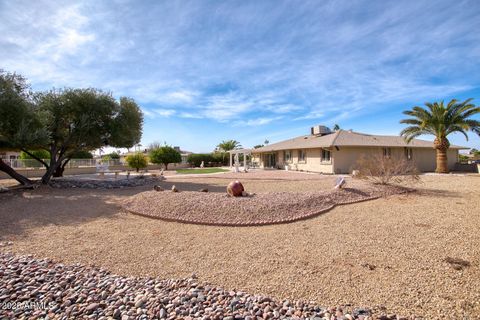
(356, 191)
(437, 193)
(24, 210)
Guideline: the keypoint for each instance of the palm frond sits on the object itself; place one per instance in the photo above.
(412, 121)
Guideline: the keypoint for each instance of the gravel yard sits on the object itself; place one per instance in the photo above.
(411, 254)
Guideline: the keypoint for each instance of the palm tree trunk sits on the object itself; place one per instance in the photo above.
(441, 145)
(442, 163)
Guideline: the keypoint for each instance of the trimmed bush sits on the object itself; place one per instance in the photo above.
(195, 159)
(137, 161)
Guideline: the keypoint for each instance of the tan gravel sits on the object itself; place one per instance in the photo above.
(218, 208)
(394, 254)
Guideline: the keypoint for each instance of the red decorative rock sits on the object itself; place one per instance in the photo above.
(235, 189)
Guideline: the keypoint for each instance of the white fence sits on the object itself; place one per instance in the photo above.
(73, 163)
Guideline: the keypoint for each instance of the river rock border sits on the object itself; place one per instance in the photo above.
(64, 183)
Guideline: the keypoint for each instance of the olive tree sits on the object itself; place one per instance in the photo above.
(20, 128)
(63, 122)
(85, 119)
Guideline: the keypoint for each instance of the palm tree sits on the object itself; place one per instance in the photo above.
(228, 145)
(440, 120)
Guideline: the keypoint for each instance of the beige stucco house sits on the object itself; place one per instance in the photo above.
(337, 152)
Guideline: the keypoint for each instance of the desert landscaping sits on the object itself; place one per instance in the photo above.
(402, 255)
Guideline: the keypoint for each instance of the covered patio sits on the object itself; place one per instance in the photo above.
(235, 157)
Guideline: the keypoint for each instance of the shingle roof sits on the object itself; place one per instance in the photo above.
(347, 138)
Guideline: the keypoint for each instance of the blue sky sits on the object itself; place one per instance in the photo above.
(206, 71)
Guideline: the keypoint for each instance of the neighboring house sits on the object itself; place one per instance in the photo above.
(10, 157)
(337, 152)
(184, 154)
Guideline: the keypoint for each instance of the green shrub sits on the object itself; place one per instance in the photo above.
(137, 161)
(41, 154)
(221, 158)
(81, 154)
(195, 159)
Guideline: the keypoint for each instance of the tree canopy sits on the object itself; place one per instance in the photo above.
(20, 129)
(165, 155)
(137, 161)
(64, 122)
(441, 120)
(229, 145)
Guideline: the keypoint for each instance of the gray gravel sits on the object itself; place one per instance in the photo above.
(37, 289)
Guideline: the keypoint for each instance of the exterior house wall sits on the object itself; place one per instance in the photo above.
(424, 158)
(343, 160)
(312, 163)
(9, 155)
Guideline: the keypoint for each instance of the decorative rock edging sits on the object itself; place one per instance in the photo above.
(102, 184)
(41, 289)
(258, 223)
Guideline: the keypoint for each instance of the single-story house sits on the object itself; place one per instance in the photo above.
(337, 152)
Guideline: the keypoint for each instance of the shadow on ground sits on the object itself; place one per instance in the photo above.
(30, 209)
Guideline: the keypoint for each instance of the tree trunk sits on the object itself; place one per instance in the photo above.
(59, 172)
(60, 169)
(54, 164)
(441, 146)
(166, 166)
(49, 173)
(14, 174)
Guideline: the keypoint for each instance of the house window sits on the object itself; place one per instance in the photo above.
(287, 155)
(325, 155)
(387, 153)
(409, 153)
(301, 155)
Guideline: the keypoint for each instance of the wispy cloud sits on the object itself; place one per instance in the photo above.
(255, 122)
(244, 62)
(165, 112)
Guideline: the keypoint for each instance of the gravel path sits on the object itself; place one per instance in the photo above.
(37, 289)
(257, 209)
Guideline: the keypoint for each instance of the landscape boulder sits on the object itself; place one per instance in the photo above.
(235, 189)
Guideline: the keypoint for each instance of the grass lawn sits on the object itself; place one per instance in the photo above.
(199, 171)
